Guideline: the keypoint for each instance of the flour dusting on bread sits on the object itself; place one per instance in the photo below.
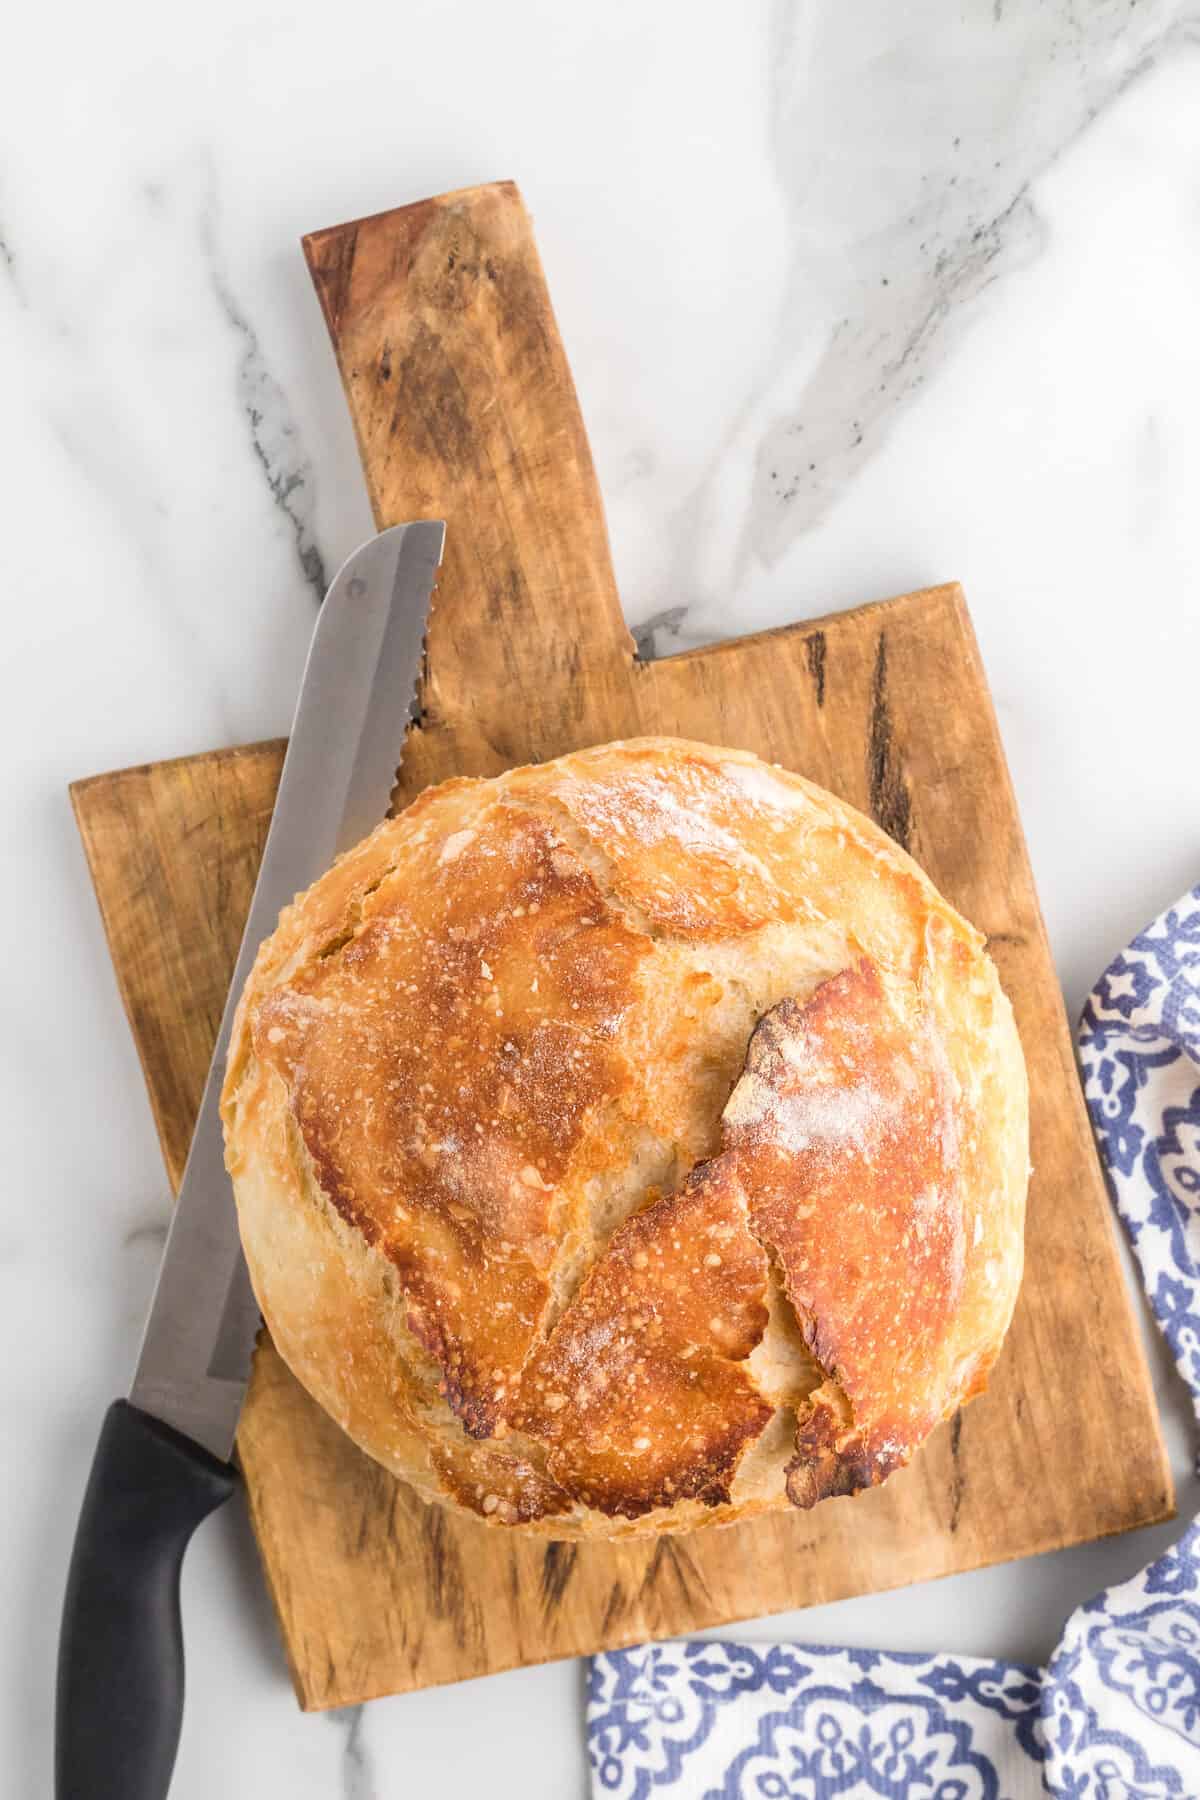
(630, 1143)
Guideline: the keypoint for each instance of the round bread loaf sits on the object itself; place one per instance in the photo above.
(630, 1143)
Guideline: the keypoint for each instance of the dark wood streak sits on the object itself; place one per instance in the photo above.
(654, 1567)
(670, 1556)
(444, 1571)
(614, 1606)
(891, 804)
(814, 651)
(558, 1566)
(958, 1478)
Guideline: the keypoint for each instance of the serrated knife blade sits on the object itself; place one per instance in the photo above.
(162, 1461)
(345, 745)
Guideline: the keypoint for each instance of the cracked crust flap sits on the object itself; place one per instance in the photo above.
(845, 1134)
(640, 1390)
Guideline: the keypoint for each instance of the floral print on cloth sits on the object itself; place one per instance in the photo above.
(1116, 1715)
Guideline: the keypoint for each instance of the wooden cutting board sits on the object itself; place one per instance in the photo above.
(464, 408)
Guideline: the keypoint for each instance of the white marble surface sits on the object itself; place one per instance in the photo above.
(858, 298)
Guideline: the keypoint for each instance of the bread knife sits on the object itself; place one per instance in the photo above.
(163, 1460)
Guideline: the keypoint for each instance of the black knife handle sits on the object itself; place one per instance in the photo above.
(120, 1654)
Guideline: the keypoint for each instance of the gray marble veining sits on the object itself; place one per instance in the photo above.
(274, 435)
(358, 1774)
(904, 142)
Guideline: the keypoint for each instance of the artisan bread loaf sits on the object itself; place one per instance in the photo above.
(630, 1143)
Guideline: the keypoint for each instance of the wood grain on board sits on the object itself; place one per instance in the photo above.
(464, 408)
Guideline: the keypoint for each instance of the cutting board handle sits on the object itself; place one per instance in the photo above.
(120, 1654)
(464, 409)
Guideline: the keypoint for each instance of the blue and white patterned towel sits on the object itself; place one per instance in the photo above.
(1116, 1715)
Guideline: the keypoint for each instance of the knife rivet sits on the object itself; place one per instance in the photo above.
(357, 587)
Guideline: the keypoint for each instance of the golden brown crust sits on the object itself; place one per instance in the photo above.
(442, 1090)
(501, 1080)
